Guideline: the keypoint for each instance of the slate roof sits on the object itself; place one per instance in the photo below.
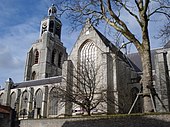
(50, 80)
(167, 45)
(106, 41)
(137, 61)
(114, 49)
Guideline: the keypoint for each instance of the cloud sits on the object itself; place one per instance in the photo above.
(19, 24)
(7, 59)
(13, 49)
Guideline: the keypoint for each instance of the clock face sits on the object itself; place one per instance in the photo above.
(44, 25)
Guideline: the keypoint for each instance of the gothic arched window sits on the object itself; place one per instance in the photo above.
(53, 56)
(12, 100)
(33, 76)
(36, 57)
(53, 102)
(38, 98)
(88, 54)
(24, 100)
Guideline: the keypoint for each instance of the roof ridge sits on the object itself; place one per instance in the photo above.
(106, 41)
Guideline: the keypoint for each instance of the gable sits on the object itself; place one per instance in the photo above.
(90, 33)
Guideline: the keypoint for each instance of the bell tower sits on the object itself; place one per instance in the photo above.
(47, 54)
(51, 23)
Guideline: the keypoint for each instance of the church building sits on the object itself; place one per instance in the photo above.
(94, 62)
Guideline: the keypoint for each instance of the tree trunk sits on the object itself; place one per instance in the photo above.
(147, 80)
(88, 110)
(89, 114)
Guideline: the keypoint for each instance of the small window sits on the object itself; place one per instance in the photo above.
(59, 60)
(36, 57)
(33, 75)
(53, 56)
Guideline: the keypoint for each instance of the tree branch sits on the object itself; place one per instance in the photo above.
(139, 4)
(157, 11)
(125, 31)
(129, 11)
(146, 6)
(115, 17)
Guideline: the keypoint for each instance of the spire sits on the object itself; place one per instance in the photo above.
(9, 80)
(52, 10)
(9, 83)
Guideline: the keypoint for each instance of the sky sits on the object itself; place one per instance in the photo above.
(19, 28)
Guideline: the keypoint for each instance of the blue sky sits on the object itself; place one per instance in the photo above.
(19, 28)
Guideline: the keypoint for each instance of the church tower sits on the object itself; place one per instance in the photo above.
(47, 54)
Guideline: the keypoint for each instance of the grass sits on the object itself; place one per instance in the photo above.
(107, 116)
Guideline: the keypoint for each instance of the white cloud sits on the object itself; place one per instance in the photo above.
(19, 29)
(13, 49)
(7, 60)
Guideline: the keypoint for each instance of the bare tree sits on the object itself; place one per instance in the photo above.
(85, 90)
(110, 11)
(165, 32)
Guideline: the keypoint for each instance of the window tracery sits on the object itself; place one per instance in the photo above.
(38, 99)
(24, 101)
(88, 54)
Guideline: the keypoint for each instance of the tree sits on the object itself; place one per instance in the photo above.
(110, 11)
(85, 90)
(165, 32)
